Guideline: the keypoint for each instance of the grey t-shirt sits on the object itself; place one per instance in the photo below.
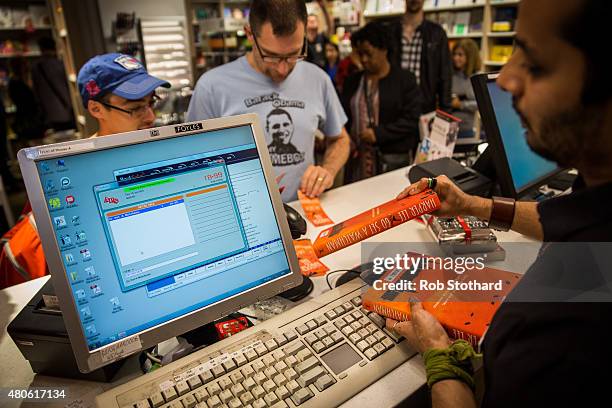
(290, 112)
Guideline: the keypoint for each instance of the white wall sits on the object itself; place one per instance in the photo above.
(143, 9)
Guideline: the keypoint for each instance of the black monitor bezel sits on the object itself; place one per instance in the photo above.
(496, 143)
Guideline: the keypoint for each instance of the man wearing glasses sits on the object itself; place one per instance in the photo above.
(274, 77)
(117, 91)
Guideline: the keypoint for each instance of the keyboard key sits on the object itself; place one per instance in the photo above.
(356, 326)
(278, 354)
(229, 365)
(279, 380)
(387, 343)
(145, 404)
(189, 401)
(247, 371)
(363, 333)
(396, 337)
(261, 350)
(271, 345)
(371, 354)
(357, 315)
(291, 374)
(348, 319)
(364, 321)
(226, 396)
(348, 330)
(268, 360)
(307, 365)
(373, 329)
(280, 340)
(194, 382)
(269, 386)
(225, 383)
(238, 390)
(240, 360)
(214, 402)
(356, 301)
(320, 333)
(169, 394)
(324, 382)
(292, 386)
(249, 384)
(247, 398)
(318, 347)
(328, 342)
(260, 378)
(371, 340)
(218, 371)
(176, 404)
(320, 320)
(378, 335)
(182, 388)
(303, 354)
(336, 337)
(378, 320)
(362, 345)
(290, 335)
(311, 376)
(234, 403)
(293, 348)
(251, 355)
(282, 392)
(340, 323)
(271, 398)
(258, 366)
(302, 329)
(354, 338)
(347, 306)
(213, 389)
(157, 400)
(331, 315)
(281, 366)
(301, 396)
(311, 324)
(339, 310)
(311, 338)
(237, 377)
(201, 395)
(258, 392)
(259, 403)
(379, 348)
(270, 372)
(291, 361)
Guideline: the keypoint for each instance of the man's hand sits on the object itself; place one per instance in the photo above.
(423, 331)
(456, 103)
(368, 136)
(453, 201)
(316, 180)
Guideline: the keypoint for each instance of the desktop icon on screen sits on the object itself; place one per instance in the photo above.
(65, 182)
(59, 221)
(55, 203)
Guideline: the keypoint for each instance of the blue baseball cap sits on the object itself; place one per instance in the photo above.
(120, 74)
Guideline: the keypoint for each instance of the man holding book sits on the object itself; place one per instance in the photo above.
(542, 351)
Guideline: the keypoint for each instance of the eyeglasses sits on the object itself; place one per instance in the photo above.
(136, 112)
(277, 60)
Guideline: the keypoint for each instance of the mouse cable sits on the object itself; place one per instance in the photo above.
(337, 271)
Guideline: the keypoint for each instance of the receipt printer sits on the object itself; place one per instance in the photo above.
(40, 334)
(467, 179)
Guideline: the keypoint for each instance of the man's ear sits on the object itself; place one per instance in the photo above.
(95, 109)
(249, 33)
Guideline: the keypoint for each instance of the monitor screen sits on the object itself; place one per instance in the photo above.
(526, 167)
(152, 231)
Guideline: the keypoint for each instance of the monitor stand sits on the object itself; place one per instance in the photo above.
(300, 291)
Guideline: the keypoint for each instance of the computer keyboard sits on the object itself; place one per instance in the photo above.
(317, 354)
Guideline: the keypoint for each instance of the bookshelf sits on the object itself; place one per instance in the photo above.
(490, 23)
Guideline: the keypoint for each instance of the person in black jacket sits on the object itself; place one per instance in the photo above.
(421, 46)
(383, 104)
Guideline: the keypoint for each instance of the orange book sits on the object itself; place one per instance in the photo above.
(375, 221)
(463, 303)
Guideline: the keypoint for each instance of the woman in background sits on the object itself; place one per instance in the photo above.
(383, 103)
(466, 62)
(332, 57)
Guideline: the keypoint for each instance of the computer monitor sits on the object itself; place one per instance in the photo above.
(518, 169)
(152, 233)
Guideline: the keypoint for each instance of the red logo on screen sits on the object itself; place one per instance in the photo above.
(111, 200)
(69, 200)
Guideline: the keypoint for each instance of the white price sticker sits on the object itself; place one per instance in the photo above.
(121, 349)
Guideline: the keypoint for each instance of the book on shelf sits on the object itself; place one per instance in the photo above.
(374, 221)
(476, 19)
(461, 23)
(464, 304)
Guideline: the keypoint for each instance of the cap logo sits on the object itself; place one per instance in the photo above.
(127, 62)
(92, 88)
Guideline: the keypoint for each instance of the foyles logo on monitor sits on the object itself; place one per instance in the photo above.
(188, 128)
(111, 200)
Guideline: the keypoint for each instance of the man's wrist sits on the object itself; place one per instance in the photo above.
(478, 207)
